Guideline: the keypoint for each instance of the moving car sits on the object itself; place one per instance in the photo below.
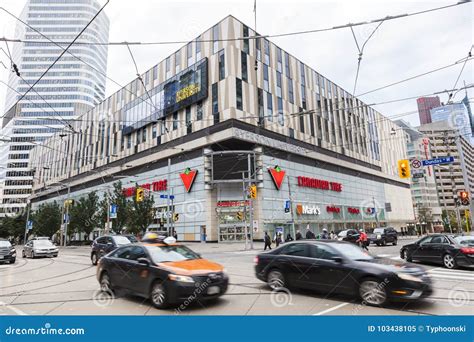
(162, 270)
(349, 235)
(341, 267)
(106, 244)
(38, 248)
(465, 240)
(383, 235)
(7, 252)
(440, 248)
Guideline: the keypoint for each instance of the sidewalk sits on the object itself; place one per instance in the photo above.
(214, 247)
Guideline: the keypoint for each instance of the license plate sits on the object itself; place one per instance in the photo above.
(213, 290)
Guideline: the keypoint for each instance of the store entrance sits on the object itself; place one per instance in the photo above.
(232, 222)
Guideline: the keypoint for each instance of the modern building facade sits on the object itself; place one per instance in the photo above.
(424, 192)
(425, 104)
(221, 113)
(74, 85)
(457, 116)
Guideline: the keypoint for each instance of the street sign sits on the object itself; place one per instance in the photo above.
(113, 211)
(415, 163)
(287, 206)
(166, 196)
(29, 225)
(418, 175)
(437, 161)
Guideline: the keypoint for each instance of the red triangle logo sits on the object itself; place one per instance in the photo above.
(188, 177)
(277, 175)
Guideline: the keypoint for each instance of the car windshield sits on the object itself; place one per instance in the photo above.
(465, 240)
(5, 244)
(378, 231)
(132, 238)
(42, 243)
(343, 233)
(351, 251)
(171, 253)
(121, 240)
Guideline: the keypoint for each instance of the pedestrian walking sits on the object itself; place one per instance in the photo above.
(298, 235)
(268, 241)
(332, 235)
(277, 239)
(325, 235)
(289, 238)
(309, 234)
(363, 240)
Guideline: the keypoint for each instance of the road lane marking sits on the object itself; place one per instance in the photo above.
(330, 309)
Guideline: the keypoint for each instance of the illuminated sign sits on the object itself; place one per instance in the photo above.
(319, 184)
(186, 92)
(333, 209)
(307, 209)
(157, 186)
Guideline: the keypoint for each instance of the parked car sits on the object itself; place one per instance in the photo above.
(7, 252)
(37, 248)
(383, 235)
(349, 235)
(106, 244)
(162, 270)
(443, 249)
(340, 267)
(465, 240)
(132, 238)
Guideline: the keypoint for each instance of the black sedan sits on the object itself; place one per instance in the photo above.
(443, 249)
(349, 235)
(165, 273)
(7, 252)
(341, 267)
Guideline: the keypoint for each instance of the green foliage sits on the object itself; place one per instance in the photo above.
(47, 219)
(84, 214)
(141, 214)
(13, 226)
(118, 198)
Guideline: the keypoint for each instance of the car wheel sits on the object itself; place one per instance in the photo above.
(378, 244)
(33, 255)
(276, 280)
(159, 295)
(105, 283)
(23, 255)
(94, 259)
(12, 261)
(449, 261)
(384, 243)
(395, 242)
(372, 292)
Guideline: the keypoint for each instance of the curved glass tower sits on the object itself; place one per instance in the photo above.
(75, 84)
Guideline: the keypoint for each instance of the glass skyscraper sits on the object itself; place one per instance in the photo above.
(75, 84)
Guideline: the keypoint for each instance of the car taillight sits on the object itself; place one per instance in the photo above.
(255, 260)
(467, 250)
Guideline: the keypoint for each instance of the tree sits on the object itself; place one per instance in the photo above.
(425, 215)
(118, 198)
(13, 226)
(141, 214)
(84, 214)
(449, 216)
(47, 219)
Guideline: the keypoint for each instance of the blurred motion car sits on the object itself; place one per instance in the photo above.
(383, 235)
(449, 251)
(341, 267)
(7, 252)
(105, 244)
(349, 235)
(165, 272)
(40, 248)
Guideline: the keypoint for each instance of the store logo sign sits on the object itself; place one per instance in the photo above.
(277, 175)
(188, 177)
(307, 209)
(333, 209)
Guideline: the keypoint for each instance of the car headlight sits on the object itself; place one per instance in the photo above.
(181, 278)
(409, 277)
(13, 251)
(379, 236)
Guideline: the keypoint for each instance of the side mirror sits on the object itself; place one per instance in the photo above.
(143, 261)
(337, 259)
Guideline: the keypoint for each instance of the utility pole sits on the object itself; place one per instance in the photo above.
(244, 195)
(465, 179)
(27, 220)
(250, 202)
(291, 209)
(67, 215)
(168, 198)
(107, 227)
(453, 183)
(375, 212)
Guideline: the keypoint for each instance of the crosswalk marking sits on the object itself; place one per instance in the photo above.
(443, 273)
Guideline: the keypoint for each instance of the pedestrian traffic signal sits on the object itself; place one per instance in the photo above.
(240, 216)
(175, 217)
(253, 191)
(464, 197)
(404, 168)
(140, 195)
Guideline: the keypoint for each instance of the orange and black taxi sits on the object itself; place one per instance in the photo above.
(160, 269)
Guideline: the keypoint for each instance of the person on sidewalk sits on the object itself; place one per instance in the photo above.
(325, 235)
(268, 241)
(309, 234)
(363, 240)
(298, 235)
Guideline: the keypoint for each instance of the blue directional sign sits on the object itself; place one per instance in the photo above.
(437, 161)
(29, 225)
(166, 196)
(287, 206)
(113, 211)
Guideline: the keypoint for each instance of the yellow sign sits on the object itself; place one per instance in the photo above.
(186, 92)
(253, 191)
(404, 168)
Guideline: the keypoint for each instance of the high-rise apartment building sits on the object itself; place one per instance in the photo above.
(424, 106)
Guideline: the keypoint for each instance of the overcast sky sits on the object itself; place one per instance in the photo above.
(399, 49)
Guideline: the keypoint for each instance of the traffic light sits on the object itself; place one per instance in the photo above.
(175, 217)
(404, 168)
(253, 191)
(140, 195)
(464, 197)
(240, 216)
(68, 203)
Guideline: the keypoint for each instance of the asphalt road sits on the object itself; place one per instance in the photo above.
(67, 285)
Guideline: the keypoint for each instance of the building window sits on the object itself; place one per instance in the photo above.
(129, 141)
(265, 78)
(155, 72)
(175, 121)
(269, 107)
(189, 126)
(278, 87)
(279, 60)
(189, 53)
(198, 49)
(311, 124)
(199, 111)
(138, 136)
(291, 132)
(215, 102)
(287, 65)
(281, 117)
(144, 134)
(243, 63)
(177, 61)
(238, 88)
(291, 96)
(303, 76)
(303, 96)
(246, 41)
(258, 48)
(221, 65)
(215, 38)
(154, 131)
(266, 48)
(301, 121)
